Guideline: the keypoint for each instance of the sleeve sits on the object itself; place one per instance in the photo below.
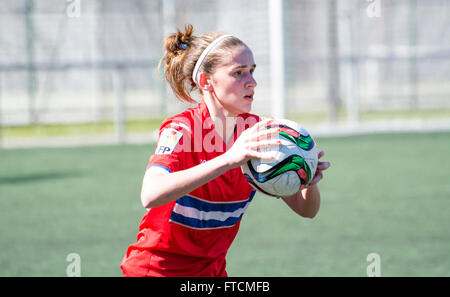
(173, 144)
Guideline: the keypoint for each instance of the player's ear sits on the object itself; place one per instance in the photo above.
(204, 82)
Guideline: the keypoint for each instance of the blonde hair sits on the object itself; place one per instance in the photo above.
(182, 51)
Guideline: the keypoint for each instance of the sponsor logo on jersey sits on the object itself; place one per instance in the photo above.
(168, 140)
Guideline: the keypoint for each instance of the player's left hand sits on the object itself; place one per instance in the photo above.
(321, 166)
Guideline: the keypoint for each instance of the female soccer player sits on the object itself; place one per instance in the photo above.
(193, 188)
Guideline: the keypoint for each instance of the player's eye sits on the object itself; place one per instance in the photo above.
(238, 73)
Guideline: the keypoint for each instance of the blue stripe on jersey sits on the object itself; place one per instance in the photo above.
(203, 224)
(203, 205)
(200, 214)
(156, 165)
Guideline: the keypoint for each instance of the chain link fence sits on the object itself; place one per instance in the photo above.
(86, 61)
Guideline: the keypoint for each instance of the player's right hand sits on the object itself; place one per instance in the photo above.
(248, 145)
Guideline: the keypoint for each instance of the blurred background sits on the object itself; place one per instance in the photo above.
(82, 68)
(81, 102)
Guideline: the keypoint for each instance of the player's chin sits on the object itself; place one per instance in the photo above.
(246, 107)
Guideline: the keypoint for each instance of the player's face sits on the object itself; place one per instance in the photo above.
(233, 81)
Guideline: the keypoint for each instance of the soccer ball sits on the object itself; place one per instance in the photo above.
(294, 165)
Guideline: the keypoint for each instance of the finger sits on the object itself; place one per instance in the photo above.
(265, 134)
(320, 154)
(317, 177)
(262, 155)
(261, 124)
(264, 144)
(323, 165)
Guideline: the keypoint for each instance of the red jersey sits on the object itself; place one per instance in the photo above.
(191, 235)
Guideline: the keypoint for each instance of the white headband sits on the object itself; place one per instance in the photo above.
(209, 48)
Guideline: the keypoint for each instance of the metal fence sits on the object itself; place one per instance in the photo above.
(89, 61)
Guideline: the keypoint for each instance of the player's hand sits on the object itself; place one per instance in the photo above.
(321, 166)
(250, 142)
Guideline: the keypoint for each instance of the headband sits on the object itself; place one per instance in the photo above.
(209, 48)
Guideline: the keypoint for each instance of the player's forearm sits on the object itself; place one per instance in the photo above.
(305, 203)
(311, 201)
(162, 189)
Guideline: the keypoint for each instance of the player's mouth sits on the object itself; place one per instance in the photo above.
(249, 96)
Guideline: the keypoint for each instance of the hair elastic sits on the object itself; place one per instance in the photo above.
(183, 46)
(209, 48)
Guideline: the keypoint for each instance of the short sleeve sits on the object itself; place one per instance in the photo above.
(173, 143)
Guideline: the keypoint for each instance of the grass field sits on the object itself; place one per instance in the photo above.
(387, 194)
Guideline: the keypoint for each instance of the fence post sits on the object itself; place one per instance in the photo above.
(277, 58)
(412, 40)
(333, 60)
(168, 16)
(1, 110)
(31, 71)
(119, 112)
(348, 66)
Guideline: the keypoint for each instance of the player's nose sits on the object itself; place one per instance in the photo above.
(251, 83)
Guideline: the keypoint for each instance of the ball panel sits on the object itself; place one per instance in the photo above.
(287, 184)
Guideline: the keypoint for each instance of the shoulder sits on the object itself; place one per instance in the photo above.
(176, 132)
(181, 122)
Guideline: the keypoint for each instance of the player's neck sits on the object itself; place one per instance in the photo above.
(223, 121)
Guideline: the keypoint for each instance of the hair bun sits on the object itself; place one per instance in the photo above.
(178, 42)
